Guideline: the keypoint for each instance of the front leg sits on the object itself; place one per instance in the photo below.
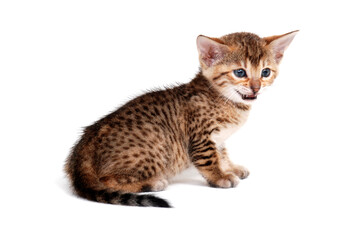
(227, 165)
(208, 160)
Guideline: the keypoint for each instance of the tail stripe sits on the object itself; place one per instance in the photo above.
(127, 199)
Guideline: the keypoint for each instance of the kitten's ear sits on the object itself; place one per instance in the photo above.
(210, 50)
(279, 44)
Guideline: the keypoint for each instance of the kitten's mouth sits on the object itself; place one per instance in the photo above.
(248, 97)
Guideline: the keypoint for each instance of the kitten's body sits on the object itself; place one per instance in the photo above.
(144, 143)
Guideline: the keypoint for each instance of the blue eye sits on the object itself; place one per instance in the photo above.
(241, 73)
(266, 72)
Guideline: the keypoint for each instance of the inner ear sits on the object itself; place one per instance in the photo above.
(279, 44)
(210, 50)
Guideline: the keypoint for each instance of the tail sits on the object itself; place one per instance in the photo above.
(127, 199)
(130, 199)
(117, 197)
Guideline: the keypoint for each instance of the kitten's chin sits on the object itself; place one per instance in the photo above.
(247, 102)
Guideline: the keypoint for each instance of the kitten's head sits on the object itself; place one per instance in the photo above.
(240, 65)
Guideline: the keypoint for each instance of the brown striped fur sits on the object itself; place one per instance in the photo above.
(140, 146)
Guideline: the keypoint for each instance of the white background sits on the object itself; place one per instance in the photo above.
(64, 64)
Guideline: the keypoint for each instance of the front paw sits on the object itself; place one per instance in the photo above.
(226, 181)
(241, 171)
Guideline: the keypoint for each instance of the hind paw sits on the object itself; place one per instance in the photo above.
(155, 186)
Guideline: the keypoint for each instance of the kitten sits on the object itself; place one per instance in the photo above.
(144, 143)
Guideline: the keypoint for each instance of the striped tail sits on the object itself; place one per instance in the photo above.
(132, 199)
(127, 199)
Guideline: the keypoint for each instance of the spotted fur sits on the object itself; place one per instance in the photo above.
(144, 143)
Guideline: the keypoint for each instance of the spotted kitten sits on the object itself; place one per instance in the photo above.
(144, 143)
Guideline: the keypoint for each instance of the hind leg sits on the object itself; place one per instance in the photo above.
(134, 186)
(150, 185)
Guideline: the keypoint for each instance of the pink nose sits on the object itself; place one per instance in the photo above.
(255, 85)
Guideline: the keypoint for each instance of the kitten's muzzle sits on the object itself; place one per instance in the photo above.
(248, 96)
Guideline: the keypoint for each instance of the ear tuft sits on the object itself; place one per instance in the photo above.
(210, 51)
(279, 44)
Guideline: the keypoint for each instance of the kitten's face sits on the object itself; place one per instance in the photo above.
(243, 81)
(241, 65)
